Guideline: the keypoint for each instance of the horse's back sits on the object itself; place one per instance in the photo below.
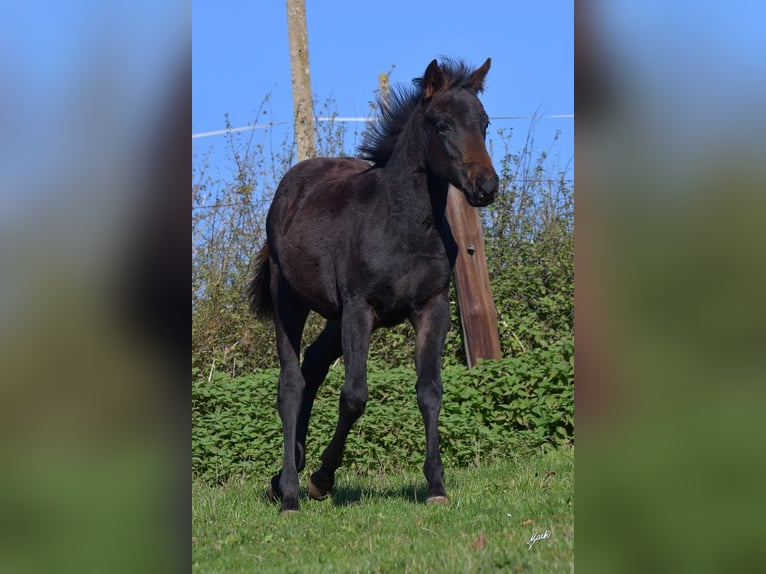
(317, 191)
(320, 175)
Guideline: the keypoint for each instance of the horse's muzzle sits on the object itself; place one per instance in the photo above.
(484, 190)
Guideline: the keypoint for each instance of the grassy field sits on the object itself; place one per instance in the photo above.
(381, 524)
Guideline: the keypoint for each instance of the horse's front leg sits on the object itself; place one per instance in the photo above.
(356, 328)
(431, 322)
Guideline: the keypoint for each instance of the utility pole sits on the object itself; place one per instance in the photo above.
(303, 106)
(384, 86)
(477, 308)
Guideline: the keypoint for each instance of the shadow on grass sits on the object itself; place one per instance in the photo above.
(414, 492)
(349, 495)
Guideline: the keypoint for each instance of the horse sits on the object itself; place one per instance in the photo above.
(365, 243)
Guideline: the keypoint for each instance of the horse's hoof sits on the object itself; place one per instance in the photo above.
(434, 500)
(317, 493)
(289, 505)
(320, 484)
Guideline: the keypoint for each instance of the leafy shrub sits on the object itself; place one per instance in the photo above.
(495, 409)
(521, 402)
(528, 232)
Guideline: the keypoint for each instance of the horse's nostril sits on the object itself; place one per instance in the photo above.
(487, 185)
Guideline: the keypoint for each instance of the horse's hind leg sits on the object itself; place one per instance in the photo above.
(357, 323)
(316, 363)
(289, 319)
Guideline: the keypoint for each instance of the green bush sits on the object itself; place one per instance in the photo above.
(497, 408)
(491, 411)
(528, 234)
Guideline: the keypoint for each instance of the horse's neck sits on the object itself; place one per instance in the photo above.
(414, 192)
(437, 191)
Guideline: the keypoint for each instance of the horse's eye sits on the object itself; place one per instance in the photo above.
(442, 128)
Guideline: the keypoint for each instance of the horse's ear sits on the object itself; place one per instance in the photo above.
(433, 80)
(476, 81)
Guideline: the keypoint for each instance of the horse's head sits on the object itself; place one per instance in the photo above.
(456, 127)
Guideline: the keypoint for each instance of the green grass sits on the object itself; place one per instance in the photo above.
(381, 524)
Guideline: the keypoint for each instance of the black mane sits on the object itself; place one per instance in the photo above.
(381, 135)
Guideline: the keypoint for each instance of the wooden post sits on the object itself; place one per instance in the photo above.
(384, 85)
(303, 105)
(477, 308)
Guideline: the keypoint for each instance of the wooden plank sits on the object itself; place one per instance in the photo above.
(477, 308)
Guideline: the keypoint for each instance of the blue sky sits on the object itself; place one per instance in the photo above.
(240, 54)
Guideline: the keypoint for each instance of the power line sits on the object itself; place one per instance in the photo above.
(236, 130)
(525, 181)
(345, 119)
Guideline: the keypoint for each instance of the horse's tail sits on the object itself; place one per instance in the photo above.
(259, 288)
